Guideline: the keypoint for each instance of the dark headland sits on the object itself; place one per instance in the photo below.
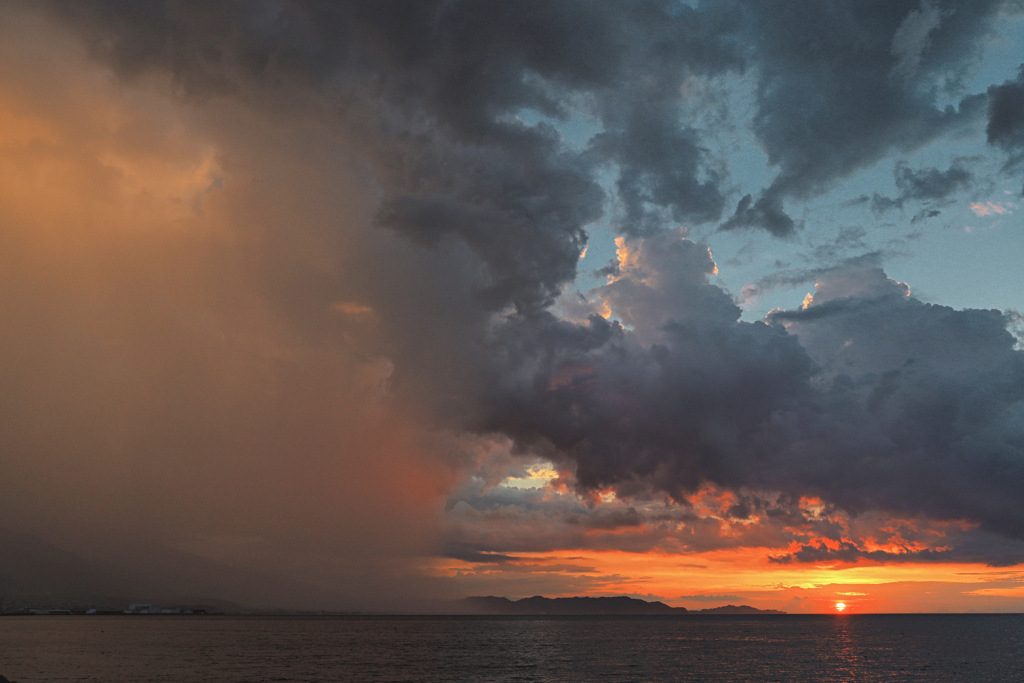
(622, 605)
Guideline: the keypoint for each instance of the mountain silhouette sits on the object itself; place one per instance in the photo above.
(621, 605)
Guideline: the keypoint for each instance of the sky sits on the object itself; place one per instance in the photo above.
(704, 302)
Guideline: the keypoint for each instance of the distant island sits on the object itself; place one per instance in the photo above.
(621, 605)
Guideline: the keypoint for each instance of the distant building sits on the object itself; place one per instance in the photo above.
(47, 610)
(142, 608)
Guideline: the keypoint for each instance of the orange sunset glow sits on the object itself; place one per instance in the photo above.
(690, 580)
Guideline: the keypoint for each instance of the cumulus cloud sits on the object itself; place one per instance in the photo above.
(935, 400)
(865, 397)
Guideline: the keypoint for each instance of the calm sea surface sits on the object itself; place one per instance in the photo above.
(688, 648)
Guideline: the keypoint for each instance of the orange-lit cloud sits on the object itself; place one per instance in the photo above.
(989, 208)
(626, 255)
(791, 555)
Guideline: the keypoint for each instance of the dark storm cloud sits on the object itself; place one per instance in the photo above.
(485, 521)
(922, 406)
(1006, 116)
(457, 552)
(524, 223)
(667, 415)
(930, 183)
(501, 520)
(848, 552)
(869, 398)
(839, 85)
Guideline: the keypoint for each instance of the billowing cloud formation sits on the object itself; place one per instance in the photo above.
(287, 271)
(661, 404)
(866, 397)
(923, 394)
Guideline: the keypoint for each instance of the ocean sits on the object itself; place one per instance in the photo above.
(140, 649)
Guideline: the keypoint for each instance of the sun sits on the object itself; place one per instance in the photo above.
(840, 606)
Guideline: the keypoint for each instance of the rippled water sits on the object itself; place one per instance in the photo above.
(679, 648)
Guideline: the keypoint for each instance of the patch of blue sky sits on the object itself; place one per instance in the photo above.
(722, 109)
(969, 260)
(976, 253)
(912, 241)
(1002, 58)
(955, 257)
(575, 130)
(601, 245)
(744, 258)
